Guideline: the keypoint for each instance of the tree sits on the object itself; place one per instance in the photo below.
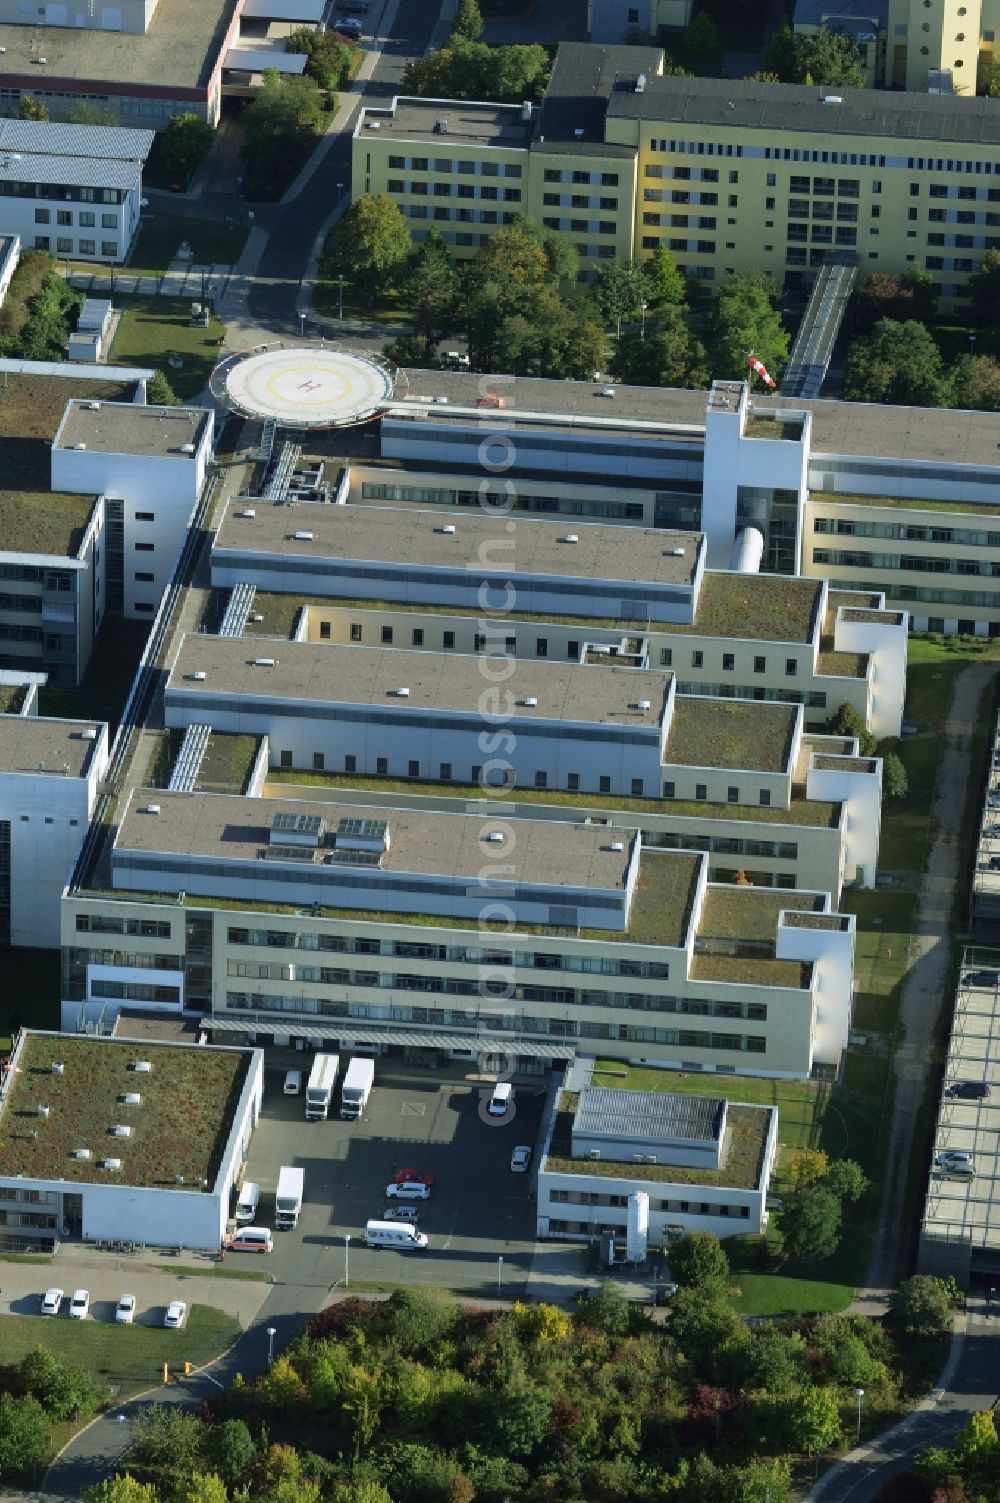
(32, 109)
(184, 145)
(414, 1319)
(468, 21)
(829, 58)
(886, 295)
(700, 48)
(473, 70)
(122, 1488)
(977, 1440)
(744, 318)
(362, 1401)
(983, 287)
(329, 57)
(697, 1261)
(160, 393)
(810, 1223)
(430, 286)
(703, 1326)
(895, 782)
(993, 81)
(64, 1391)
(166, 1442)
(774, 1361)
(622, 288)
(281, 123)
(24, 1434)
(896, 363)
(92, 114)
(663, 279)
(848, 722)
(922, 1304)
(201, 1487)
(779, 59)
(374, 241)
(605, 1310)
(812, 1419)
(976, 380)
(665, 354)
(229, 1449)
(846, 1179)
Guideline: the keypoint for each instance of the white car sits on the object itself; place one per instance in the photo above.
(952, 1156)
(176, 1314)
(400, 1213)
(79, 1305)
(409, 1191)
(52, 1301)
(125, 1310)
(520, 1159)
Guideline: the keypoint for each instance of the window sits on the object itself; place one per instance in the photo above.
(412, 769)
(43, 216)
(417, 637)
(701, 792)
(143, 547)
(697, 659)
(64, 245)
(324, 631)
(668, 790)
(772, 179)
(444, 772)
(350, 764)
(355, 631)
(145, 516)
(728, 662)
(319, 761)
(541, 647)
(791, 667)
(143, 578)
(572, 651)
(637, 787)
(760, 665)
(448, 640)
(109, 248)
(541, 779)
(382, 766)
(765, 798)
(733, 794)
(64, 216)
(604, 784)
(286, 758)
(387, 636)
(666, 657)
(41, 242)
(86, 247)
(573, 781)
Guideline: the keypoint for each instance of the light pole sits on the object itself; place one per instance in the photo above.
(859, 1393)
(642, 332)
(340, 194)
(972, 344)
(347, 1260)
(340, 279)
(499, 1273)
(271, 1333)
(302, 326)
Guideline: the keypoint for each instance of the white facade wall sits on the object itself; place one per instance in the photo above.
(8, 263)
(885, 644)
(49, 813)
(832, 954)
(861, 793)
(732, 460)
(19, 219)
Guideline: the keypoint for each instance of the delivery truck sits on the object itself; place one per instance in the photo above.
(319, 1091)
(288, 1196)
(401, 1234)
(357, 1087)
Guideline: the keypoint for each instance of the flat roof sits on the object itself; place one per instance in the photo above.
(663, 900)
(582, 79)
(731, 733)
(114, 143)
(452, 683)
(573, 399)
(233, 828)
(38, 744)
(179, 1127)
(179, 49)
(506, 548)
(606, 1112)
(919, 434)
(762, 607)
(469, 124)
(128, 428)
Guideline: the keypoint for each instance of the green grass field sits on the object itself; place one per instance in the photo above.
(154, 330)
(126, 1358)
(212, 242)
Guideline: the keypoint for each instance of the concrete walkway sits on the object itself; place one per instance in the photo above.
(924, 986)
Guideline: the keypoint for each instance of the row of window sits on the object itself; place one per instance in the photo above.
(522, 501)
(927, 595)
(447, 774)
(86, 218)
(728, 662)
(98, 923)
(732, 794)
(452, 190)
(912, 563)
(684, 1207)
(68, 194)
(449, 167)
(815, 699)
(64, 246)
(521, 1025)
(908, 532)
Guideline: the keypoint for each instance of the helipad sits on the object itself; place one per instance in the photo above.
(303, 386)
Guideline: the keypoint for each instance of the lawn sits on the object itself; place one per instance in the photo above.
(212, 242)
(155, 330)
(105, 686)
(128, 1357)
(885, 922)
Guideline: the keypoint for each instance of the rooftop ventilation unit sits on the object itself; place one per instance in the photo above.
(256, 616)
(58, 1068)
(142, 1067)
(93, 406)
(79, 447)
(121, 1130)
(441, 126)
(640, 84)
(448, 529)
(90, 734)
(578, 132)
(151, 809)
(529, 701)
(43, 1112)
(187, 448)
(81, 1153)
(402, 692)
(111, 1164)
(608, 391)
(131, 1098)
(495, 837)
(526, 110)
(374, 124)
(178, 1179)
(677, 552)
(199, 675)
(644, 704)
(248, 511)
(264, 662)
(571, 537)
(833, 99)
(616, 845)
(304, 537)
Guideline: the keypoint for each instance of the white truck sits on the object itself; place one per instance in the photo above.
(357, 1087)
(319, 1091)
(288, 1196)
(393, 1234)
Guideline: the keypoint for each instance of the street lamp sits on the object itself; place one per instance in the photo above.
(340, 194)
(302, 326)
(347, 1260)
(499, 1273)
(972, 344)
(271, 1333)
(859, 1393)
(340, 279)
(642, 333)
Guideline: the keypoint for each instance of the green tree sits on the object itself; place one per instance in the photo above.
(707, 1330)
(201, 1487)
(24, 1434)
(360, 1492)
(896, 363)
(779, 59)
(697, 1261)
(413, 351)
(665, 282)
(362, 1402)
(430, 287)
(977, 1440)
(160, 393)
(32, 109)
(848, 722)
(895, 782)
(281, 122)
(64, 1391)
(414, 1319)
(122, 1488)
(329, 58)
(810, 1223)
(620, 291)
(166, 1442)
(184, 145)
(886, 295)
(829, 58)
(700, 47)
(744, 319)
(976, 382)
(468, 21)
(607, 1309)
(665, 354)
(373, 240)
(473, 70)
(983, 287)
(812, 1419)
(993, 81)
(922, 1304)
(519, 1417)
(846, 1179)
(92, 114)
(774, 1361)
(229, 1449)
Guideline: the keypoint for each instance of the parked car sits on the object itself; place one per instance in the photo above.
(413, 1177)
(293, 1083)
(79, 1305)
(520, 1159)
(52, 1301)
(400, 1213)
(969, 1090)
(349, 28)
(981, 978)
(352, 7)
(407, 1192)
(176, 1314)
(502, 1099)
(125, 1310)
(952, 1156)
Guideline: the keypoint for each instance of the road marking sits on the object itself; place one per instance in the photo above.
(413, 1108)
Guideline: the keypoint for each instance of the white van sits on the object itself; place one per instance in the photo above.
(246, 1206)
(502, 1100)
(252, 1239)
(293, 1082)
(393, 1234)
(411, 1190)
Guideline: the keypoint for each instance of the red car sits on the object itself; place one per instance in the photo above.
(413, 1177)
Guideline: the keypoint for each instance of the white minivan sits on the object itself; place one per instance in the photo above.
(502, 1100)
(252, 1239)
(408, 1191)
(293, 1082)
(246, 1206)
(393, 1234)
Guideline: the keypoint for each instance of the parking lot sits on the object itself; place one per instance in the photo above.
(478, 1213)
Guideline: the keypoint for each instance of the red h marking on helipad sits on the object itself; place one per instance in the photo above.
(308, 386)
